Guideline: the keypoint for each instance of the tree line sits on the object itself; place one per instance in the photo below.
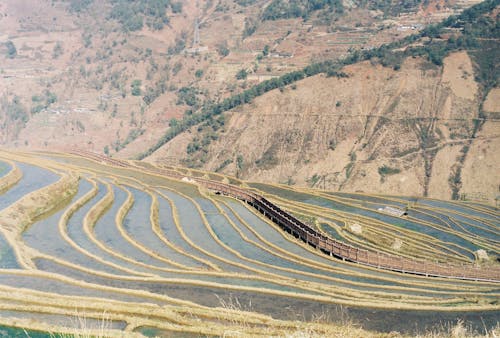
(472, 22)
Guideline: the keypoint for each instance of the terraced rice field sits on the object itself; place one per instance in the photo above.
(124, 248)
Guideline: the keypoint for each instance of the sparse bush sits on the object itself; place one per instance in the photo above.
(265, 51)
(242, 74)
(284, 9)
(269, 159)
(14, 110)
(43, 102)
(332, 144)
(176, 7)
(313, 180)
(132, 14)
(386, 171)
(87, 40)
(222, 49)
(136, 87)
(199, 73)
(180, 45)
(177, 68)
(80, 126)
(187, 95)
(239, 162)
(223, 165)
(57, 51)
(250, 27)
(11, 49)
(79, 5)
(50, 97)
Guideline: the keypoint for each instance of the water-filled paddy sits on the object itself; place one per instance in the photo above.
(4, 168)
(349, 273)
(297, 309)
(57, 286)
(107, 232)
(171, 232)
(76, 233)
(45, 236)
(462, 245)
(138, 226)
(190, 279)
(34, 178)
(213, 250)
(8, 258)
(196, 230)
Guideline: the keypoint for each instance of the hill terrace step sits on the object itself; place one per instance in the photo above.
(327, 245)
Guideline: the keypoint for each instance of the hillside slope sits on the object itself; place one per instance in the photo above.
(117, 77)
(108, 76)
(379, 130)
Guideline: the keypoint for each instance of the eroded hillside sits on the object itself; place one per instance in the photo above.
(380, 130)
(117, 77)
(108, 76)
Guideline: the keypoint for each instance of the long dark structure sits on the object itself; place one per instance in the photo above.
(327, 245)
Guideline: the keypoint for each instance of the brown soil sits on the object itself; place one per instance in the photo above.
(329, 133)
(81, 75)
(338, 133)
(492, 103)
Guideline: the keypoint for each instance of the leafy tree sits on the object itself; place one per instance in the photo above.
(199, 73)
(250, 27)
(265, 51)
(284, 9)
(177, 68)
(242, 74)
(136, 87)
(222, 49)
(79, 5)
(133, 14)
(187, 95)
(50, 97)
(386, 170)
(180, 45)
(173, 123)
(176, 7)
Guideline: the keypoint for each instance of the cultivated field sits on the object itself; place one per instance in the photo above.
(126, 248)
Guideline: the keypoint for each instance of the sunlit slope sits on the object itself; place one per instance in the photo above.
(121, 240)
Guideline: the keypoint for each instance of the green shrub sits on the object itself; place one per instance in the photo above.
(136, 87)
(285, 9)
(176, 7)
(11, 49)
(386, 170)
(242, 74)
(79, 5)
(222, 49)
(133, 14)
(199, 73)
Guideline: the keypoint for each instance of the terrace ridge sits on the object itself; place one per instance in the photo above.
(327, 245)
